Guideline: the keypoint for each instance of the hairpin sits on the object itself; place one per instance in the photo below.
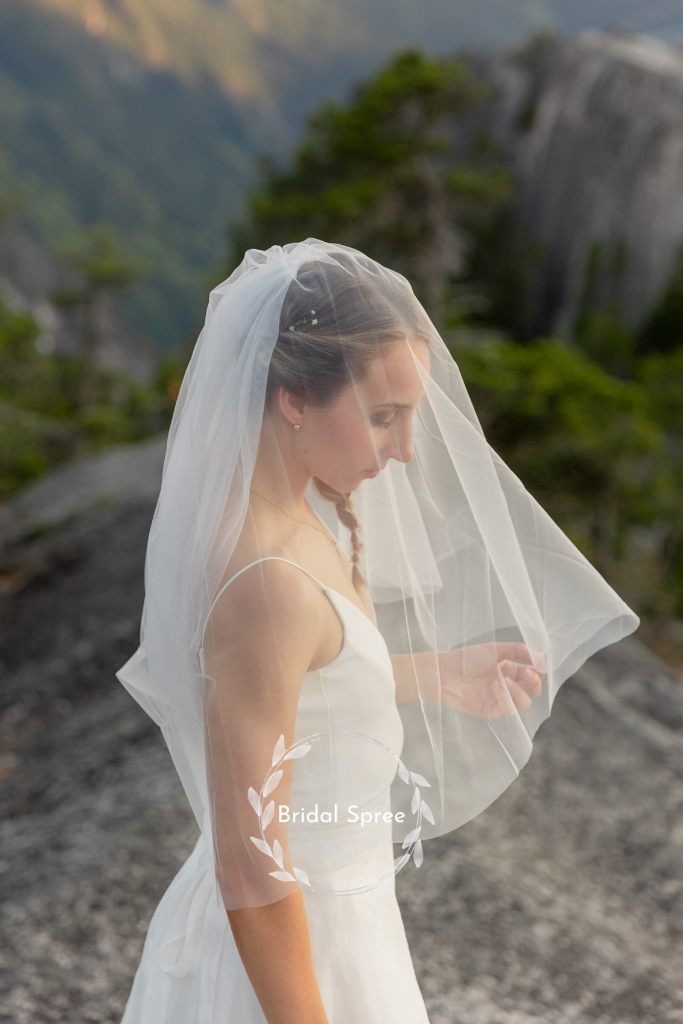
(298, 323)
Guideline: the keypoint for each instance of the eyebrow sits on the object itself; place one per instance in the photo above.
(393, 405)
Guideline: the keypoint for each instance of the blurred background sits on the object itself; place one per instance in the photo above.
(521, 162)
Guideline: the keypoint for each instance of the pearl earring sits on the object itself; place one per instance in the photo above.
(296, 426)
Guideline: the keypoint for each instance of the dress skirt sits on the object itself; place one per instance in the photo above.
(191, 971)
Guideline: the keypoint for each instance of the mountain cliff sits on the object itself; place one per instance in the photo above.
(594, 128)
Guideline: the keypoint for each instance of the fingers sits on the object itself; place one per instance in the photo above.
(527, 677)
(539, 663)
(521, 698)
(520, 652)
(507, 698)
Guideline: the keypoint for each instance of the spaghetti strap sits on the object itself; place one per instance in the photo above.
(267, 558)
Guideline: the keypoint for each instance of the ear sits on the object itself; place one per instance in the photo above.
(291, 407)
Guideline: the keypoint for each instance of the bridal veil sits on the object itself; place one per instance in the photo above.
(456, 554)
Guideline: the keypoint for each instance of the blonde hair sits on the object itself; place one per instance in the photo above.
(334, 323)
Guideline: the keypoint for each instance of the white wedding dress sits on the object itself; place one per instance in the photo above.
(191, 972)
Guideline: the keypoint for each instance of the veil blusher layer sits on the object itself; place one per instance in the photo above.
(456, 554)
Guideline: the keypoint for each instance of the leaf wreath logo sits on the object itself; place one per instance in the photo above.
(412, 843)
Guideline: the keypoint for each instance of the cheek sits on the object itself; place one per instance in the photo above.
(346, 438)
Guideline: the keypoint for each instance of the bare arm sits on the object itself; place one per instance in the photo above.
(262, 638)
(408, 669)
(275, 948)
(486, 680)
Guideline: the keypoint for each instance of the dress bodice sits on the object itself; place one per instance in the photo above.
(355, 691)
(354, 694)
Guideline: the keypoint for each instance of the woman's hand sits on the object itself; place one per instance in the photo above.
(489, 680)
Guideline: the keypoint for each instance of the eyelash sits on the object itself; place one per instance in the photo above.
(385, 424)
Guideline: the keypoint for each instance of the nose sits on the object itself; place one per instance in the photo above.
(400, 444)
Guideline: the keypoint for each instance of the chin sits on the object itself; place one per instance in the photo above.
(347, 486)
(358, 482)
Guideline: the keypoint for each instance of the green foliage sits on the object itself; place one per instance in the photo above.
(29, 380)
(36, 428)
(29, 445)
(97, 255)
(662, 376)
(600, 328)
(662, 330)
(92, 136)
(42, 416)
(372, 174)
(582, 441)
(102, 266)
(604, 456)
(500, 266)
(481, 190)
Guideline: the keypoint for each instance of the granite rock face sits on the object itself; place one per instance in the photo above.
(561, 904)
(594, 129)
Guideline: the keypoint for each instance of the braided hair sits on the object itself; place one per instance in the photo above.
(333, 323)
(347, 517)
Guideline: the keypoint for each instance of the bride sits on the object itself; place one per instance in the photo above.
(355, 620)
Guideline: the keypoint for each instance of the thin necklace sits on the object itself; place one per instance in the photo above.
(326, 533)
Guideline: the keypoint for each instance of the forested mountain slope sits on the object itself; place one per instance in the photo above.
(149, 114)
(91, 136)
(253, 46)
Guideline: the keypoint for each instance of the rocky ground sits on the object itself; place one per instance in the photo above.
(562, 903)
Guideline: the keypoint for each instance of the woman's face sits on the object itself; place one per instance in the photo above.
(370, 422)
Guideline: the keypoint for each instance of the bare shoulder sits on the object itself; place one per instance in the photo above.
(271, 600)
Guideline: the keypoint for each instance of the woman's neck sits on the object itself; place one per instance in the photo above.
(278, 472)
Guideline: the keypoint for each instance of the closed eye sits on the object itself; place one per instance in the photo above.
(385, 424)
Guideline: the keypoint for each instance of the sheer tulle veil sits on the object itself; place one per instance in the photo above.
(457, 556)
